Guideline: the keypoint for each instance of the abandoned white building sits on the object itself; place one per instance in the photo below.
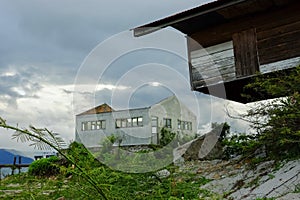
(139, 126)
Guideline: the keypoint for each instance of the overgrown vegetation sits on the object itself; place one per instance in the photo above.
(174, 139)
(76, 166)
(45, 139)
(45, 167)
(116, 184)
(167, 136)
(276, 121)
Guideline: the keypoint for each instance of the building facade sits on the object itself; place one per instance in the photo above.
(139, 126)
(230, 41)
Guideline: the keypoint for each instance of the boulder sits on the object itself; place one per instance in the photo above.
(206, 147)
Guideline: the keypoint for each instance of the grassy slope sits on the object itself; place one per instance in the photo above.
(117, 186)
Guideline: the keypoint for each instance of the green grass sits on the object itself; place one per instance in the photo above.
(117, 185)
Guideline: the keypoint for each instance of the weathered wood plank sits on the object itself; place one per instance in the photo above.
(214, 58)
(245, 8)
(201, 74)
(286, 28)
(220, 64)
(262, 21)
(245, 51)
(212, 64)
(212, 49)
(279, 52)
(280, 65)
(279, 39)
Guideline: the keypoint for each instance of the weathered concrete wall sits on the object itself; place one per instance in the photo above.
(129, 135)
(175, 110)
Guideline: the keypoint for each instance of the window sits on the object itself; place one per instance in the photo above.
(89, 126)
(123, 123)
(134, 121)
(167, 123)
(179, 124)
(84, 126)
(98, 125)
(93, 125)
(118, 123)
(129, 122)
(140, 121)
(184, 125)
(103, 124)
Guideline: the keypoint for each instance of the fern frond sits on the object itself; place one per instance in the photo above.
(2, 122)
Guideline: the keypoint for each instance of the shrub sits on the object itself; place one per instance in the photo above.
(166, 136)
(277, 121)
(44, 167)
(82, 156)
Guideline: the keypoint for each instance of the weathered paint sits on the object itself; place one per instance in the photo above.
(167, 108)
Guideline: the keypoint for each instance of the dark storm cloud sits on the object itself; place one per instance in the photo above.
(16, 85)
(64, 32)
(57, 35)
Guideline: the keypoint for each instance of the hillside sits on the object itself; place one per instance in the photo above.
(215, 179)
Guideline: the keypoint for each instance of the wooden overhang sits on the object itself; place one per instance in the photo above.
(240, 38)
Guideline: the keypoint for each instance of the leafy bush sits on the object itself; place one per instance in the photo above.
(225, 129)
(242, 144)
(166, 136)
(44, 167)
(78, 153)
(277, 121)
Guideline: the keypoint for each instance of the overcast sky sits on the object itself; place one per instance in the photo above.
(54, 62)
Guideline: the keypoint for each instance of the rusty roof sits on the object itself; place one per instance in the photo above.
(103, 108)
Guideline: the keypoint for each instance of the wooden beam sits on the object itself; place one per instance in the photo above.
(245, 53)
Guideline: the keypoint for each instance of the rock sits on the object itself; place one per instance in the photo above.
(283, 181)
(163, 173)
(206, 147)
(248, 183)
(291, 196)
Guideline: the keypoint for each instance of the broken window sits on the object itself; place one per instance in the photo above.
(179, 124)
(118, 123)
(129, 122)
(184, 125)
(93, 125)
(84, 126)
(167, 123)
(134, 121)
(123, 123)
(140, 121)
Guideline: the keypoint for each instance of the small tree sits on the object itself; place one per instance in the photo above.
(225, 129)
(277, 121)
(166, 136)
